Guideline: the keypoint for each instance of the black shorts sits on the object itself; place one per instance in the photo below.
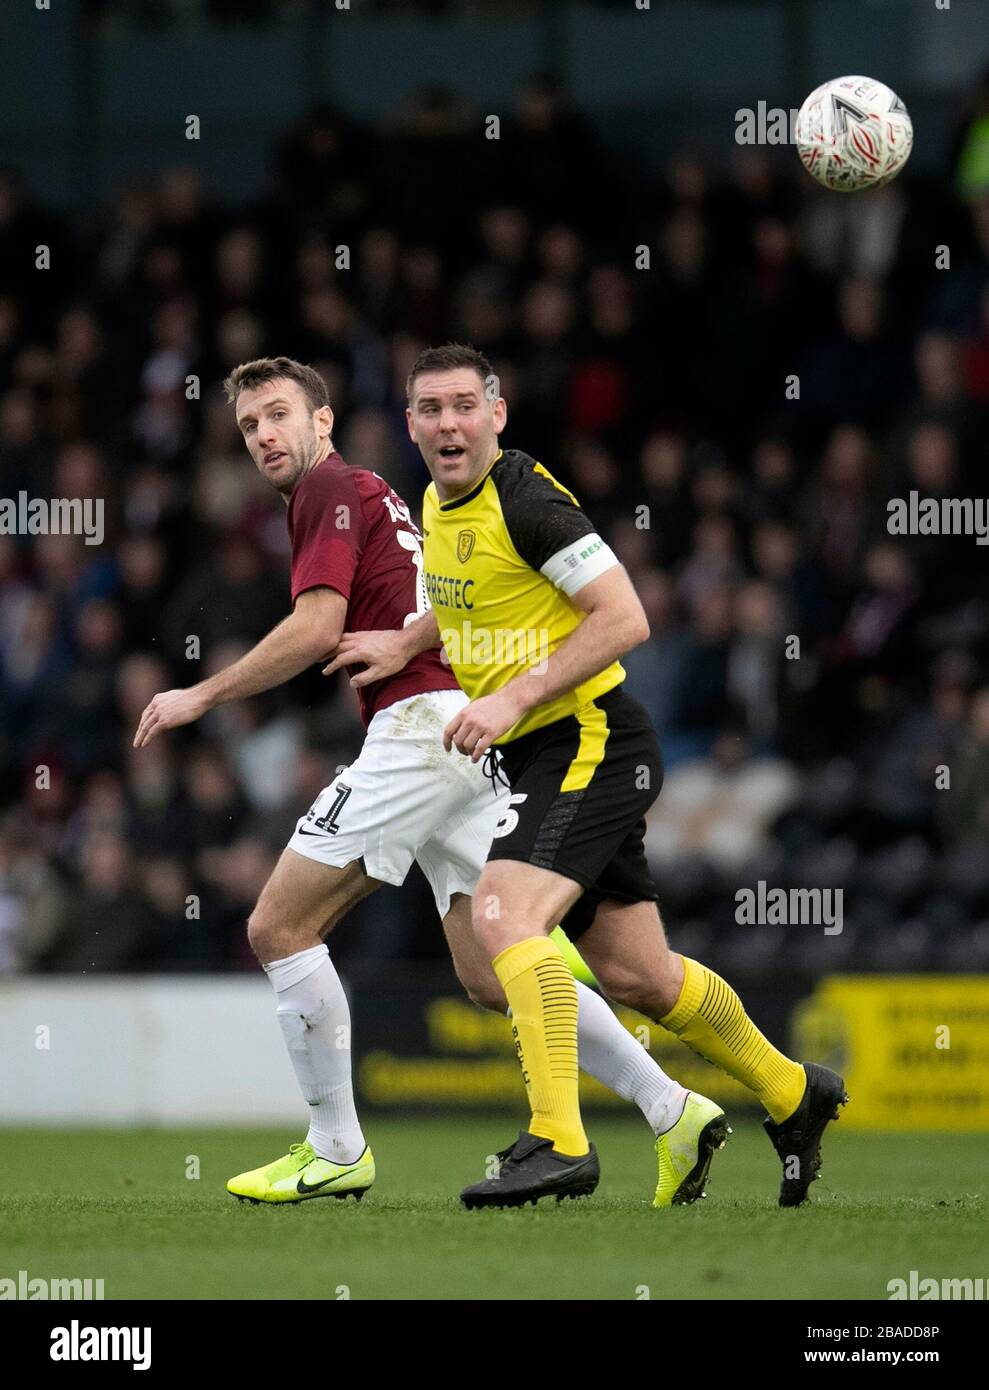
(580, 791)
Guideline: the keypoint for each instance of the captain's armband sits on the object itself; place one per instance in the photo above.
(578, 563)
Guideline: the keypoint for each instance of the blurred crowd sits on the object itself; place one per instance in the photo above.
(732, 370)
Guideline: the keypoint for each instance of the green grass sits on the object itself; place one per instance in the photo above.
(118, 1206)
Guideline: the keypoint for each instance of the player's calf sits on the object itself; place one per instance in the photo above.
(513, 909)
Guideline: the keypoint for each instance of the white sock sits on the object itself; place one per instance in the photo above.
(315, 1021)
(608, 1052)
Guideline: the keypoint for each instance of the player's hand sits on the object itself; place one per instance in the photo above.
(383, 652)
(478, 725)
(169, 710)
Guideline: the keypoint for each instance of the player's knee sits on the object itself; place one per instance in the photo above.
(631, 990)
(486, 992)
(488, 926)
(261, 932)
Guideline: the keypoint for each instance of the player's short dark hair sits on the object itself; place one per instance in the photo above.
(252, 374)
(447, 359)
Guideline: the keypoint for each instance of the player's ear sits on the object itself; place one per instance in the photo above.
(412, 428)
(324, 422)
(500, 412)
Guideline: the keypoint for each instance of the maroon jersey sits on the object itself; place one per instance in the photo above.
(352, 533)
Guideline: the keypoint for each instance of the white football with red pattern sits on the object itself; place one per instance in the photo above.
(853, 133)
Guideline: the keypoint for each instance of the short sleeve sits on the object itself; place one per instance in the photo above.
(548, 528)
(326, 527)
(542, 518)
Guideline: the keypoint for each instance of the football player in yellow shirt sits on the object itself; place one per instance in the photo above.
(535, 612)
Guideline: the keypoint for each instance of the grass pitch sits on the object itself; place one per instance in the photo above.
(119, 1206)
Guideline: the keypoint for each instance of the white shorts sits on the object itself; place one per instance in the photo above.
(406, 798)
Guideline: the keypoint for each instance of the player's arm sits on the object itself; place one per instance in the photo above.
(385, 651)
(310, 631)
(553, 535)
(615, 623)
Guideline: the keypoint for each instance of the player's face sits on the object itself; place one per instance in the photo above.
(284, 436)
(456, 427)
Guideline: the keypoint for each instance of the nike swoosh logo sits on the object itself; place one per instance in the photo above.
(307, 832)
(304, 1187)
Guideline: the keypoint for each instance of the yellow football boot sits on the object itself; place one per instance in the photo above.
(301, 1175)
(685, 1151)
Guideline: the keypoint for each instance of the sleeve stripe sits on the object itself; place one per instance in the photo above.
(578, 563)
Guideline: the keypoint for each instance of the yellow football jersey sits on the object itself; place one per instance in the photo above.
(494, 559)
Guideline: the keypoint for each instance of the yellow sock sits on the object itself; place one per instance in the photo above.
(543, 998)
(709, 1018)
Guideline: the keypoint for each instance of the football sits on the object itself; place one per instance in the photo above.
(853, 133)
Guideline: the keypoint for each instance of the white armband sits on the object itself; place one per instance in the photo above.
(577, 564)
